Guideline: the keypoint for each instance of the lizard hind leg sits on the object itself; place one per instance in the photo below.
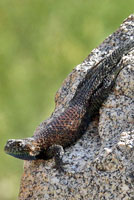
(102, 92)
(110, 79)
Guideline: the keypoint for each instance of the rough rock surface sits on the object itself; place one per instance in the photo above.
(101, 164)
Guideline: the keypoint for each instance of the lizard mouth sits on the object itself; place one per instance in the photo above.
(22, 149)
(22, 156)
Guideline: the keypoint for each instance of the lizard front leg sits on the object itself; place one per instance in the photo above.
(57, 152)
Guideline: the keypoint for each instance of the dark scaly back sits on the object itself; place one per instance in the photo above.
(99, 74)
(64, 129)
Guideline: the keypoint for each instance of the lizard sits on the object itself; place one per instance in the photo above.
(50, 138)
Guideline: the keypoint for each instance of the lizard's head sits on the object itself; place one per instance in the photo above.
(24, 149)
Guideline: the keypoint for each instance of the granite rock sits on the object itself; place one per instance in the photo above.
(101, 163)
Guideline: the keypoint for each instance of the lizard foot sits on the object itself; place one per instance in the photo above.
(57, 152)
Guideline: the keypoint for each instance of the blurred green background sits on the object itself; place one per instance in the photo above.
(41, 41)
